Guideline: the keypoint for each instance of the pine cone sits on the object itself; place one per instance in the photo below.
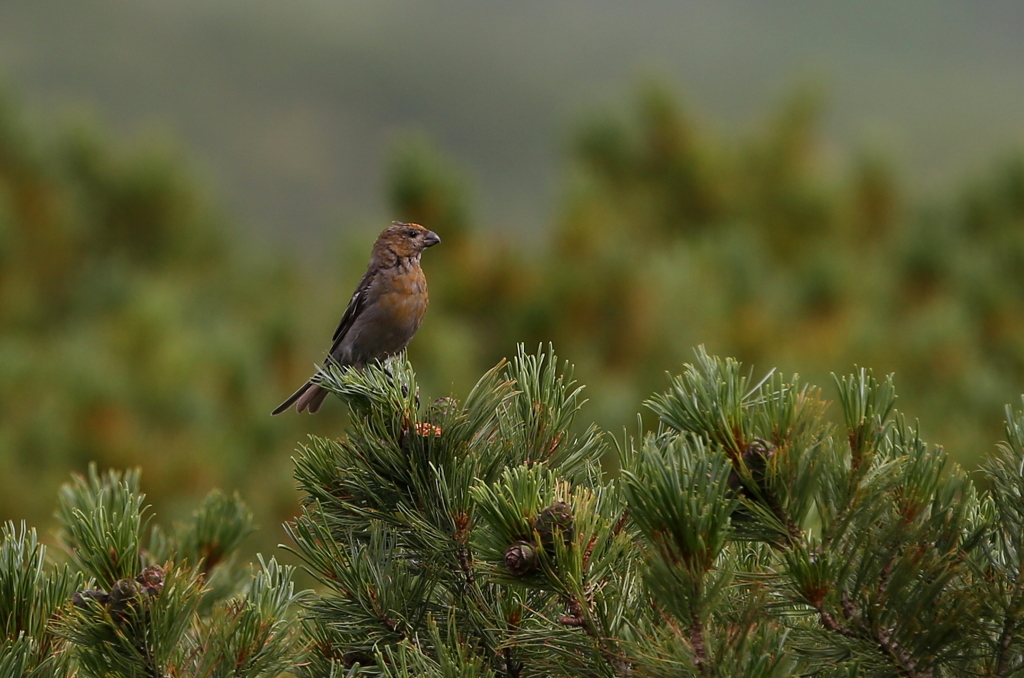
(521, 559)
(755, 458)
(152, 580)
(80, 598)
(126, 594)
(558, 516)
(125, 597)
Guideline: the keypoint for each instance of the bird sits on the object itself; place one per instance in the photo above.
(384, 313)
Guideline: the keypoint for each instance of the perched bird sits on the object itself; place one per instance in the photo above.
(384, 313)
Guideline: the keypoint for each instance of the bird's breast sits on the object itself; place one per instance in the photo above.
(405, 301)
(394, 313)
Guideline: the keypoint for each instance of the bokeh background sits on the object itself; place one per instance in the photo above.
(189, 191)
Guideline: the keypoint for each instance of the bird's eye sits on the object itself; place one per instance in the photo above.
(411, 233)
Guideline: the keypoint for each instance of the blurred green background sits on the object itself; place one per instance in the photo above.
(189, 191)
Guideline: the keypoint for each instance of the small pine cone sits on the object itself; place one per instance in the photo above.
(124, 589)
(521, 559)
(125, 596)
(81, 598)
(152, 580)
(755, 458)
(558, 516)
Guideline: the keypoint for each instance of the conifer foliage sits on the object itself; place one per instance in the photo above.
(759, 531)
(142, 603)
(748, 536)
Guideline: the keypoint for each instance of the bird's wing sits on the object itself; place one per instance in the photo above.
(355, 307)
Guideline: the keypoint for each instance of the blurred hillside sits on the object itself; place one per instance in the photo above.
(669, 237)
(292, 107)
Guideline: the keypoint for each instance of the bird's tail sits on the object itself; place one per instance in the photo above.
(308, 397)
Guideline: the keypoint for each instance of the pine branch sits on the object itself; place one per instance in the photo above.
(31, 595)
(700, 656)
(1002, 658)
(581, 617)
(102, 518)
(1004, 474)
(496, 514)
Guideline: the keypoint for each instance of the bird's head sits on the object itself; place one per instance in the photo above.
(404, 240)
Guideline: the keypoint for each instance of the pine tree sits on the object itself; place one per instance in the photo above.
(747, 536)
(137, 604)
(750, 534)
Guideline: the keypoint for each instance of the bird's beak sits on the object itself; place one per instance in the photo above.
(431, 239)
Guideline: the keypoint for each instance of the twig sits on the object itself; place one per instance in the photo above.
(1009, 628)
(882, 638)
(700, 656)
(577, 618)
(902, 657)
